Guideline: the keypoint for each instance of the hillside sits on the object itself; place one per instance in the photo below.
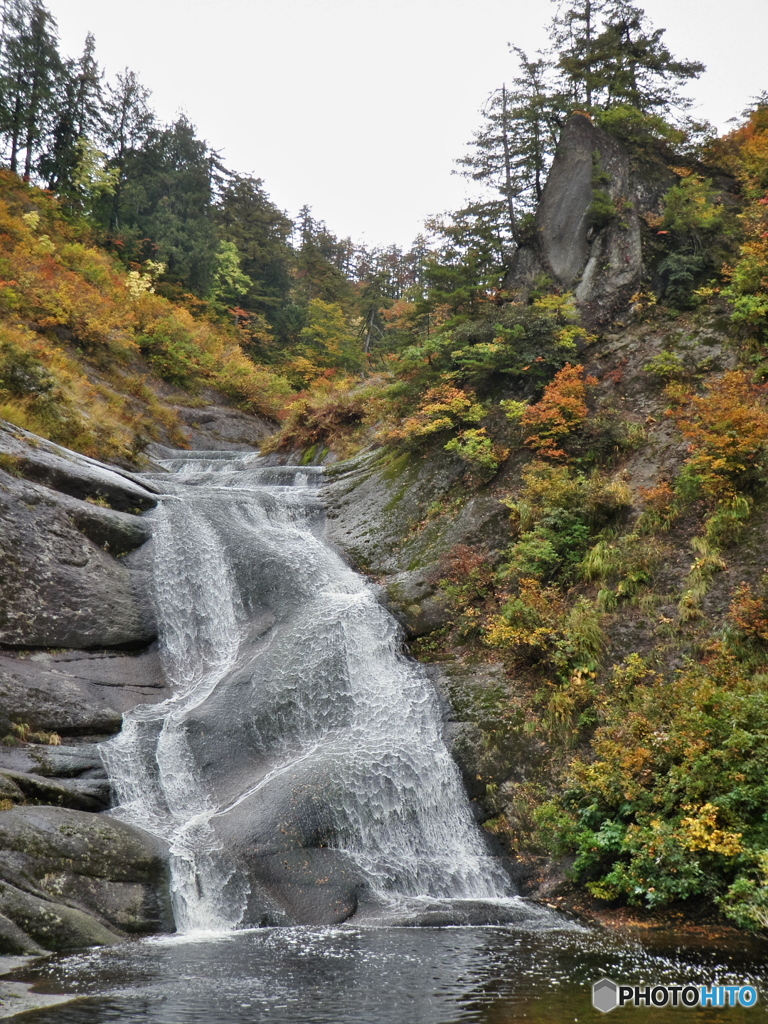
(91, 357)
(570, 524)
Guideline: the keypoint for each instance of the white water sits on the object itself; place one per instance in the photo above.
(295, 717)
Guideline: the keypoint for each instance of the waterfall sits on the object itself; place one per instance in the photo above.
(297, 771)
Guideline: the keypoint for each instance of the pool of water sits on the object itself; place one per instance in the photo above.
(348, 975)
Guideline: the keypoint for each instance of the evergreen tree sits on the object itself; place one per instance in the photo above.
(469, 258)
(609, 55)
(573, 32)
(128, 121)
(322, 262)
(31, 72)
(247, 217)
(168, 200)
(79, 120)
(513, 147)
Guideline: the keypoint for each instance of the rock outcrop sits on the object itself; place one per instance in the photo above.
(378, 515)
(70, 879)
(222, 428)
(77, 649)
(587, 233)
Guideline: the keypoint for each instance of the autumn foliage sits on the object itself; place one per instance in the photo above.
(86, 347)
(727, 430)
(561, 411)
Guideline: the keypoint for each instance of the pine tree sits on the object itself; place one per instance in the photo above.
(169, 196)
(468, 259)
(246, 216)
(322, 262)
(513, 147)
(128, 120)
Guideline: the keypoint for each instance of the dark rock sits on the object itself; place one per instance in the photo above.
(15, 942)
(9, 789)
(81, 761)
(374, 507)
(438, 914)
(415, 601)
(302, 885)
(53, 925)
(80, 794)
(58, 588)
(69, 878)
(221, 428)
(75, 694)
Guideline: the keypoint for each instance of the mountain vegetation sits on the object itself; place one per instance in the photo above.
(625, 604)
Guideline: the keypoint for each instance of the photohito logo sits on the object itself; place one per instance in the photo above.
(607, 995)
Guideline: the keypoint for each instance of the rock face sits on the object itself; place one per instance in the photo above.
(69, 879)
(63, 580)
(77, 649)
(378, 515)
(587, 230)
(76, 693)
(221, 428)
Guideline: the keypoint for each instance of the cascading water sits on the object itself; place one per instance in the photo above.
(298, 771)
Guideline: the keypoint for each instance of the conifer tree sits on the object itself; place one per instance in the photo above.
(608, 54)
(128, 120)
(512, 149)
(321, 262)
(246, 216)
(168, 202)
(31, 71)
(79, 120)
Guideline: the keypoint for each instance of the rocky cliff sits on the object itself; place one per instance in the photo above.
(587, 233)
(76, 650)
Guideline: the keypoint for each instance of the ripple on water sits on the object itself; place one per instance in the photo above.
(349, 975)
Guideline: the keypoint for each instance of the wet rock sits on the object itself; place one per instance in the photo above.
(14, 941)
(302, 886)
(60, 469)
(82, 794)
(69, 878)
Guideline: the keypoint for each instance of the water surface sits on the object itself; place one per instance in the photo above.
(347, 975)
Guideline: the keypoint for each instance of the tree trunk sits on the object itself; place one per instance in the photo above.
(508, 169)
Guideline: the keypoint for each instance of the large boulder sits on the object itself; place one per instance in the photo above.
(76, 693)
(587, 231)
(71, 879)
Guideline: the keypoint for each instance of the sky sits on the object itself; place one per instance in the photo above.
(359, 108)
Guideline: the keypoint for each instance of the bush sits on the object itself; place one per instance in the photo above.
(671, 802)
(477, 448)
(561, 411)
(728, 433)
(517, 344)
(328, 416)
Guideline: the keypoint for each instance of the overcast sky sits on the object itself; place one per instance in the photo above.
(359, 107)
